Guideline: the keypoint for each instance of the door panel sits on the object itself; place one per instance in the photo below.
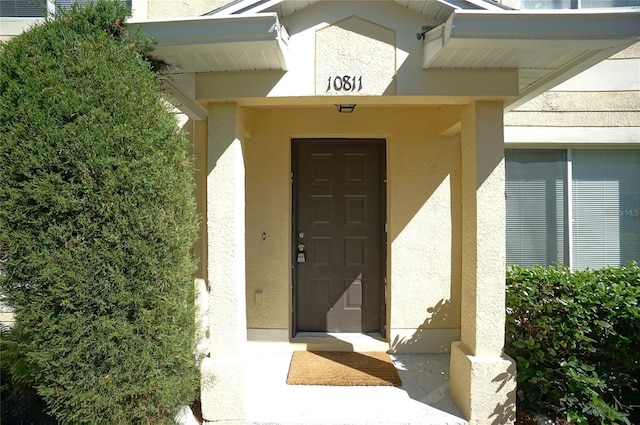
(339, 220)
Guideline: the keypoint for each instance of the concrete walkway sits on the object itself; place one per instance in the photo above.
(423, 398)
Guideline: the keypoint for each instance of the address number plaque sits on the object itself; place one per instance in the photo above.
(344, 83)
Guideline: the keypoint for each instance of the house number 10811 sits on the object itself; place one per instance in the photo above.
(345, 83)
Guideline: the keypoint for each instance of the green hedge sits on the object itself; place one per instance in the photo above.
(575, 338)
(97, 219)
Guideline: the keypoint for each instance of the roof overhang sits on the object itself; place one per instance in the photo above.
(546, 48)
(542, 48)
(214, 44)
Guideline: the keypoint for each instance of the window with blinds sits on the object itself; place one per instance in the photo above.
(22, 8)
(576, 4)
(604, 207)
(68, 3)
(36, 8)
(536, 205)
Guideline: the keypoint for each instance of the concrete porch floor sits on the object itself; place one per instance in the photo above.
(423, 398)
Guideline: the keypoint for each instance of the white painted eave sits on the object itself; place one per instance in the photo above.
(545, 47)
(214, 44)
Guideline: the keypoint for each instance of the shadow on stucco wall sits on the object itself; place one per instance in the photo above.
(505, 412)
(425, 376)
(440, 315)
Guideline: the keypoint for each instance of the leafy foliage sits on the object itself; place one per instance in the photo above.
(575, 339)
(97, 219)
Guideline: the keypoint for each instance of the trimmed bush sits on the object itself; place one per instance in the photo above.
(575, 337)
(97, 219)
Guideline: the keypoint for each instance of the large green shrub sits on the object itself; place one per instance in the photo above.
(575, 339)
(97, 219)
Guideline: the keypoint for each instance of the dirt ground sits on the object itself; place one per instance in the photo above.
(524, 418)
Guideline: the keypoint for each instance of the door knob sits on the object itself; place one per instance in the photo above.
(302, 258)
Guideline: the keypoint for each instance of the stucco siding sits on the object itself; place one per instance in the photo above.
(576, 118)
(599, 106)
(173, 9)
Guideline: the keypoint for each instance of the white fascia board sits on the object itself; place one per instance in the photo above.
(526, 30)
(563, 25)
(193, 109)
(211, 29)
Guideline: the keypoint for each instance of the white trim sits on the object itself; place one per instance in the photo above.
(570, 209)
(572, 135)
(194, 110)
(139, 9)
(579, 29)
(10, 27)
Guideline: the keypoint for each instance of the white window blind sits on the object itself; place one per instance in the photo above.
(576, 4)
(546, 4)
(606, 207)
(68, 3)
(589, 4)
(22, 8)
(536, 206)
(36, 8)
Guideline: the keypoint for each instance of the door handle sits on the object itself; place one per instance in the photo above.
(302, 257)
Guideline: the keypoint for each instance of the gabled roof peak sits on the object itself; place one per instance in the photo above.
(439, 10)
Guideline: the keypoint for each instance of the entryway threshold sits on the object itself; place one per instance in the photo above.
(280, 340)
(330, 341)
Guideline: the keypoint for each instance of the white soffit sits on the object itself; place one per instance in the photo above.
(545, 47)
(214, 44)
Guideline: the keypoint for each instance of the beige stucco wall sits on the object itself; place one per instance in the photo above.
(173, 9)
(599, 106)
(6, 314)
(423, 174)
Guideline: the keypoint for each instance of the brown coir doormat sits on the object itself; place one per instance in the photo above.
(342, 369)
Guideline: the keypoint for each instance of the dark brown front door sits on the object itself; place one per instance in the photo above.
(339, 254)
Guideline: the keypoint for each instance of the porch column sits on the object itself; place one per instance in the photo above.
(482, 377)
(222, 386)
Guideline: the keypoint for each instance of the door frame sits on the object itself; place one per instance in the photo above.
(382, 143)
